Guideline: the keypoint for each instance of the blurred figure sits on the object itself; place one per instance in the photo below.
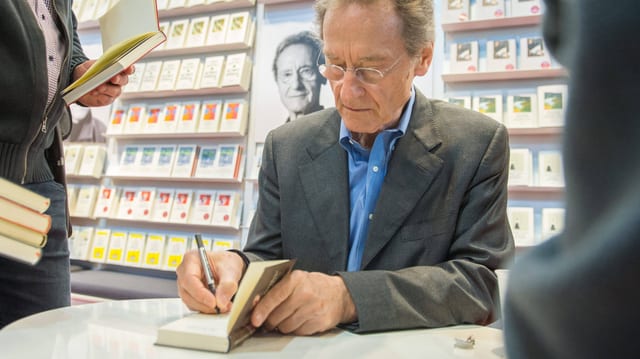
(85, 126)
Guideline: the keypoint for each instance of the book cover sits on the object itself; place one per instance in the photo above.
(521, 222)
(162, 205)
(154, 115)
(86, 201)
(177, 33)
(237, 71)
(552, 222)
(24, 234)
(228, 161)
(455, 11)
(80, 246)
(188, 122)
(217, 33)
(464, 57)
(234, 118)
(533, 54)
(147, 161)
(117, 245)
(168, 75)
(73, 157)
(166, 157)
(144, 203)
(99, 245)
(223, 332)
(240, 28)
(212, 71)
(203, 207)
(135, 119)
(129, 30)
(116, 121)
(552, 101)
(197, 34)
(150, 76)
(225, 209)
(487, 9)
(135, 79)
(501, 55)
(185, 161)
(462, 101)
(490, 105)
(16, 193)
(106, 202)
(522, 111)
(188, 74)
(525, 7)
(170, 117)
(550, 169)
(210, 116)
(127, 203)
(225, 244)
(93, 160)
(176, 246)
(181, 206)
(134, 250)
(206, 166)
(19, 251)
(154, 250)
(520, 167)
(72, 198)
(129, 159)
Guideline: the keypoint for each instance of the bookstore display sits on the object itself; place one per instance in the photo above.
(175, 155)
(496, 63)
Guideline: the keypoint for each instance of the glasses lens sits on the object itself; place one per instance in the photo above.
(368, 75)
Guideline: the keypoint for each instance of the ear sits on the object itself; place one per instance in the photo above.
(424, 60)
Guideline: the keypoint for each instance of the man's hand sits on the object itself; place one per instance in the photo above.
(227, 270)
(106, 93)
(305, 303)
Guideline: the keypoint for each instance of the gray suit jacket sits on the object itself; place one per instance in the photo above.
(439, 226)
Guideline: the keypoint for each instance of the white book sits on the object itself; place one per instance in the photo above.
(19, 251)
(107, 201)
(117, 245)
(552, 101)
(202, 207)
(257, 160)
(206, 166)
(162, 204)
(176, 246)
(172, 4)
(464, 57)
(143, 203)
(525, 7)
(212, 71)
(234, 118)
(521, 222)
(72, 198)
(135, 118)
(188, 74)
(93, 160)
(550, 169)
(177, 33)
(86, 201)
(522, 111)
(146, 164)
(153, 118)
(237, 71)
(520, 167)
(240, 28)
(490, 105)
(150, 76)
(455, 11)
(218, 25)
(163, 164)
(129, 159)
(135, 249)
(462, 101)
(154, 250)
(501, 55)
(73, 157)
(184, 164)
(116, 121)
(188, 121)
(228, 161)
(225, 244)
(164, 28)
(210, 113)
(135, 79)
(170, 117)
(197, 34)
(181, 206)
(533, 54)
(99, 245)
(487, 9)
(552, 222)
(168, 75)
(195, 2)
(225, 209)
(83, 238)
(127, 203)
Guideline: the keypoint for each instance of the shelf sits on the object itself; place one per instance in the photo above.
(505, 75)
(535, 132)
(535, 193)
(84, 178)
(196, 50)
(229, 90)
(176, 135)
(488, 24)
(173, 179)
(536, 190)
(180, 227)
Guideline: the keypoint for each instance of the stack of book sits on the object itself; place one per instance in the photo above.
(23, 224)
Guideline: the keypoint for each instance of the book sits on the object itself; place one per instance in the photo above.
(210, 116)
(552, 222)
(490, 105)
(188, 121)
(72, 157)
(116, 122)
(501, 55)
(129, 30)
(162, 205)
(240, 29)
(134, 250)
(176, 246)
(129, 159)
(106, 202)
(181, 206)
(197, 34)
(521, 222)
(80, 245)
(464, 57)
(154, 250)
(487, 9)
(99, 245)
(225, 209)
(228, 161)
(522, 111)
(127, 203)
(165, 158)
(144, 203)
(135, 79)
(234, 118)
(225, 244)
(237, 71)
(525, 7)
(533, 54)
(154, 114)
(550, 169)
(177, 33)
(150, 76)
(147, 161)
(93, 160)
(462, 101)
(117, 245)
(188, 74)
(185, 162)
(455, 11)
(170, 117)
(135, 118)
(520, 167)
(23, 234)
(19, 251)
(203, 207)
(212, 71)
(16, 212)
(24, 196)
(168, 75)
(86, 201)
(218, 25)
(223, 332)
(552, 101)
(72, 198)
(206, 165)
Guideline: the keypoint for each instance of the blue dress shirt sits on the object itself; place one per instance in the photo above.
(367, 168)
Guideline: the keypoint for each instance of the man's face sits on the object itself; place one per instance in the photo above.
(297, 78)
(369, 36)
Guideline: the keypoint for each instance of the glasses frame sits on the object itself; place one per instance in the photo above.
(356, 70)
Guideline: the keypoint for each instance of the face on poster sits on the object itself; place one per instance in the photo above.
(296, 86)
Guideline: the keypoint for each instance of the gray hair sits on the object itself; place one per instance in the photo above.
(417, 17)
(307, 38)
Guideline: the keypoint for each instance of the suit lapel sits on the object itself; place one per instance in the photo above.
(411, 170)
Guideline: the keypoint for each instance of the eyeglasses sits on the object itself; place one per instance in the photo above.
(367, 75)
(306, 73)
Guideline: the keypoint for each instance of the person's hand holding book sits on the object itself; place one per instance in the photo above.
(106, 93)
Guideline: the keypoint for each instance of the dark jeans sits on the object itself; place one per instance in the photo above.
(26, 289)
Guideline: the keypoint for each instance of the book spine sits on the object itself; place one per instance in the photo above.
(22, 234)
(239, 335)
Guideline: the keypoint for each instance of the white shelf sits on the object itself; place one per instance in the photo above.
(504, 75)
(229, 90)
(488, 24)
(173, 179)
(536, 132)
(176, 135)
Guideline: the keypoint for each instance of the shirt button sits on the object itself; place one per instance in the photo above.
(42, 17)
(50, 58)
(370, 216)
(375, 168)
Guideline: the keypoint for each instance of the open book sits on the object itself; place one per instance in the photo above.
(222, 332)
(129, 30)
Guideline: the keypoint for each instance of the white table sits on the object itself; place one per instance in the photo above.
(127, 329)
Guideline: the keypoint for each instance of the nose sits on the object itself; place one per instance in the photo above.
(351, 86)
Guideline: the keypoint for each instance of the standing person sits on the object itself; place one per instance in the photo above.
(393, 204)
(296, 74)
(40, 55)
(577, 295)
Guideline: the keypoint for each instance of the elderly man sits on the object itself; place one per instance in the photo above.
(394, 205)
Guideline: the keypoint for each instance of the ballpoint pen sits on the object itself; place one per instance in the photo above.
(206, 266)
